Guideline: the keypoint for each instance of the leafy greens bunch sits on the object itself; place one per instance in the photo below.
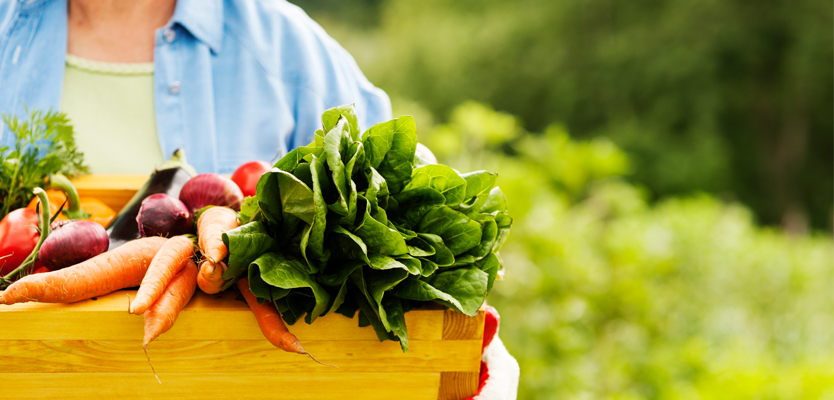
(352, 222)
(44, 145)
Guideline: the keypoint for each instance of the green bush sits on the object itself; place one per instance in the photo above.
(608, 296)
(731, 97)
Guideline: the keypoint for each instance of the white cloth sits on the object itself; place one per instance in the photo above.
(504, 372)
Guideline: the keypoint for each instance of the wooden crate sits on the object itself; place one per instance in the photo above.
(93, 349)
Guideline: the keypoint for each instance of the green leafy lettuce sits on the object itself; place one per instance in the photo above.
(354, 222)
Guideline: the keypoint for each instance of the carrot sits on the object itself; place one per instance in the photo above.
(269, 320)
(116, 269)
(210, 277)
(210, 227)
(170, 259)
(160, 316)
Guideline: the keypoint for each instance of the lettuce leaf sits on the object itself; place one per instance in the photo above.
(350, 223)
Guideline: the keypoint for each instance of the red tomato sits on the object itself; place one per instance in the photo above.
(423, 152)
(246, 176)
(18, 237)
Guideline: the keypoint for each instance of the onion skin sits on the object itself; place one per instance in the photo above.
(211, 190)
(73, 243)
(163, 215)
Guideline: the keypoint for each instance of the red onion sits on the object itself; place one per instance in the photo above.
(210, 190)
(73, 243)
(163, 215)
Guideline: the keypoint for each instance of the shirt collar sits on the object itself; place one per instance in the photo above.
(203, 18)
(28, 6)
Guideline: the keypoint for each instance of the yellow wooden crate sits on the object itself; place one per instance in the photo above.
(93, 348)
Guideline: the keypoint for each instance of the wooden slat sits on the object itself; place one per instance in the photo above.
(457, 326)
(469, 332)
(457, 385)
(19, 356)
(205, 317)
(113, 190)
(223, 385)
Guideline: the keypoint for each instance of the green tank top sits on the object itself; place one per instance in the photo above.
(111, 108)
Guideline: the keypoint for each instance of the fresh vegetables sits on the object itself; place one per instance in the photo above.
(160, 317)
(269, 320)
(44, 145)
(87, 208)
(116, 269)
(18, 237)
(423, 156)
(100, 213)
(168, 178)
(210, 278)
(210, 227)
(163, 215)
(356, 222)
(211, 190)
(349, 222)
(246, 176)
(170, 259)
(31, 261)
(73, 243)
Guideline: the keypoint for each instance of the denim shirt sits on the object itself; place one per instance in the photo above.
(234, 80)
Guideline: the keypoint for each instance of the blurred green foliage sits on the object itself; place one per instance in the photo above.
(608, 297)
(730, 97)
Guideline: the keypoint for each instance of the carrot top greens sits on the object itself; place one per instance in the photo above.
(357, 222)
(43, 145)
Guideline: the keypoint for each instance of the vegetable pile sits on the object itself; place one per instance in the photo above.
(350, 222)
(358, 222)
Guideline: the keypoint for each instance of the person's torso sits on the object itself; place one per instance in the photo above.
(111, 109)
(229, 87)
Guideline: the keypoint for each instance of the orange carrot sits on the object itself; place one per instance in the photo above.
(269, 320)
(160, 316)
(170, 259)
(210, 277)
(116, 269)
(210, 227)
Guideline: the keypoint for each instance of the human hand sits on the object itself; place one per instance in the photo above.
(499, 370)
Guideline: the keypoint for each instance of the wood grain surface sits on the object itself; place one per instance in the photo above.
(457, 385)
(240, 355)
(113, 190)
(207, 317)
(92, 349)
(223, 385)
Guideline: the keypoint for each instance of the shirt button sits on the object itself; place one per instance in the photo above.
(169, 35)
(174, 87)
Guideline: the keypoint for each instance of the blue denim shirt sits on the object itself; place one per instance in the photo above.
(235, 80)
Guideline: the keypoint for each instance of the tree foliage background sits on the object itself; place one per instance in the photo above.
(729, 97)
(669, 168)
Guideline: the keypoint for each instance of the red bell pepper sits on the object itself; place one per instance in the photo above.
(18, 237)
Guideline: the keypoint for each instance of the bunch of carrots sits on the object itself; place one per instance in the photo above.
(166, 273)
